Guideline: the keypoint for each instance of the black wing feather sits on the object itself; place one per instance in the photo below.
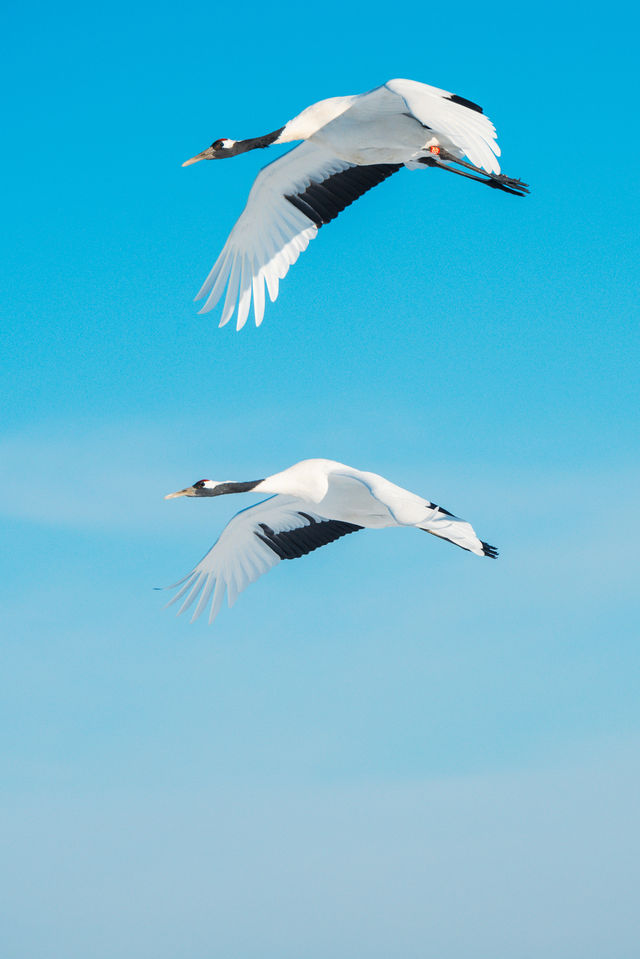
(464, 102)
(322, 201)
(292, 543)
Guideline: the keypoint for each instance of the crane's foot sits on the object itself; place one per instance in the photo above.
(516, 187)
(500, 180)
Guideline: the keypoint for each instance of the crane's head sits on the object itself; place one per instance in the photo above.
(219, 150)
(215, 488)
(201, 488)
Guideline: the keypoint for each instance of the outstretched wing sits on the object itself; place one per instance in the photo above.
(255, 540)
(469, 131)
(290, 199)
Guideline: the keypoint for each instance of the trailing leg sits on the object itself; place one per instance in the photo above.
(498, 181)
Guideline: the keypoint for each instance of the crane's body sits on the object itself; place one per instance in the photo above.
(313, 503)
(362, 130)
(349, 495)
(350, 144)
(380, 126)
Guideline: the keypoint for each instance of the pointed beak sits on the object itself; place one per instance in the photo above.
(205, 155)
(189, 491)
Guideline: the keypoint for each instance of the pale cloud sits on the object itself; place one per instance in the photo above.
(542, 862)
(96, 477)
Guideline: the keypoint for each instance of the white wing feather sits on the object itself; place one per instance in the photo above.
(239, 557)
(269, 236)
(471, 133)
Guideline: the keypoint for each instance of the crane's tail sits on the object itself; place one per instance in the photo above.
(446, 526)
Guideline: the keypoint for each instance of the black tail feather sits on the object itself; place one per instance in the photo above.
(489, 551)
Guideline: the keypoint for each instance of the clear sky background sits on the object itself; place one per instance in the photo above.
(391, 748)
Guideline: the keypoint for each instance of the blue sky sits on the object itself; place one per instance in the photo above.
(391, 748)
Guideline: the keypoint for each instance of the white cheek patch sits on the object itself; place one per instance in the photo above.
(227, 144)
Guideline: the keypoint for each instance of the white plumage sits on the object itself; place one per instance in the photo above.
(351, 144)
(314, 503)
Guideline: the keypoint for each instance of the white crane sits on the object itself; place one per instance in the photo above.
(314, 503)
(351, 144)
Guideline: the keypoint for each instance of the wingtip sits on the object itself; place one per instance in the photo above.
(491, 551)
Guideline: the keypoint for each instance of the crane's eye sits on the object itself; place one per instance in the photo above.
(217, 145)
(199, 484)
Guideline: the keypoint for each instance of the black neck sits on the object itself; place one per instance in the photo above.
(231, 488)
(243, 146)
